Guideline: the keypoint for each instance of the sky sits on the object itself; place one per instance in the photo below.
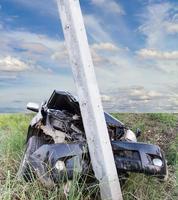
(134, 46)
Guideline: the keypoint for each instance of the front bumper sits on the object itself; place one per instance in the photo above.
(138, 157)
(129, 157)
(43, 162)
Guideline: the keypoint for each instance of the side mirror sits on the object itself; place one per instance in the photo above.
(33, 106)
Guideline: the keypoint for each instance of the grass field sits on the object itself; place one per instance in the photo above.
(161, 129)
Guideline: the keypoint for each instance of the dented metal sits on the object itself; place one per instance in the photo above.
(57, 146)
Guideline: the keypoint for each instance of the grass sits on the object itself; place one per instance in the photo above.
(158, 128)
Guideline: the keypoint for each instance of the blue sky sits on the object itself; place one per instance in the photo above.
(134, 45)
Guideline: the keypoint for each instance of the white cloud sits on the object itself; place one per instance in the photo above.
(139, 93)
(160, 28)
(95, 29)
(158, 21)
(11, 64)
(32, 46)
(35, 47)
(31, 41)
(172, 27)
(107, 46)
(60, 55)
(106, 98)
(117, 68)
(109, 6)
(140, 99)
(42, 48)
(165, 61)
(154, 54)
(168, 66)
(101, 53)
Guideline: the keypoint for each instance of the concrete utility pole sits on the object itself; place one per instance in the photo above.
(89, 99)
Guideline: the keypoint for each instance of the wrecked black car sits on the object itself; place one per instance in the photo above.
(56, 144)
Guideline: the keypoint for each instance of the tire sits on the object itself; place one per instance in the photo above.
(25, 171)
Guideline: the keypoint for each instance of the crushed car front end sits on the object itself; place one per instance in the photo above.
(57, 146)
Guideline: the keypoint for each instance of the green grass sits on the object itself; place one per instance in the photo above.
(158, 128)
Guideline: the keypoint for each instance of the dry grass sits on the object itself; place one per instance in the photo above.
(159, 129)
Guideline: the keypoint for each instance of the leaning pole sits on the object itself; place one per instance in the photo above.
(89, 99)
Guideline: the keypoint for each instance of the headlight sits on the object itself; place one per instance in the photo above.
(130, 135)
(60, 165)
(158, 162)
